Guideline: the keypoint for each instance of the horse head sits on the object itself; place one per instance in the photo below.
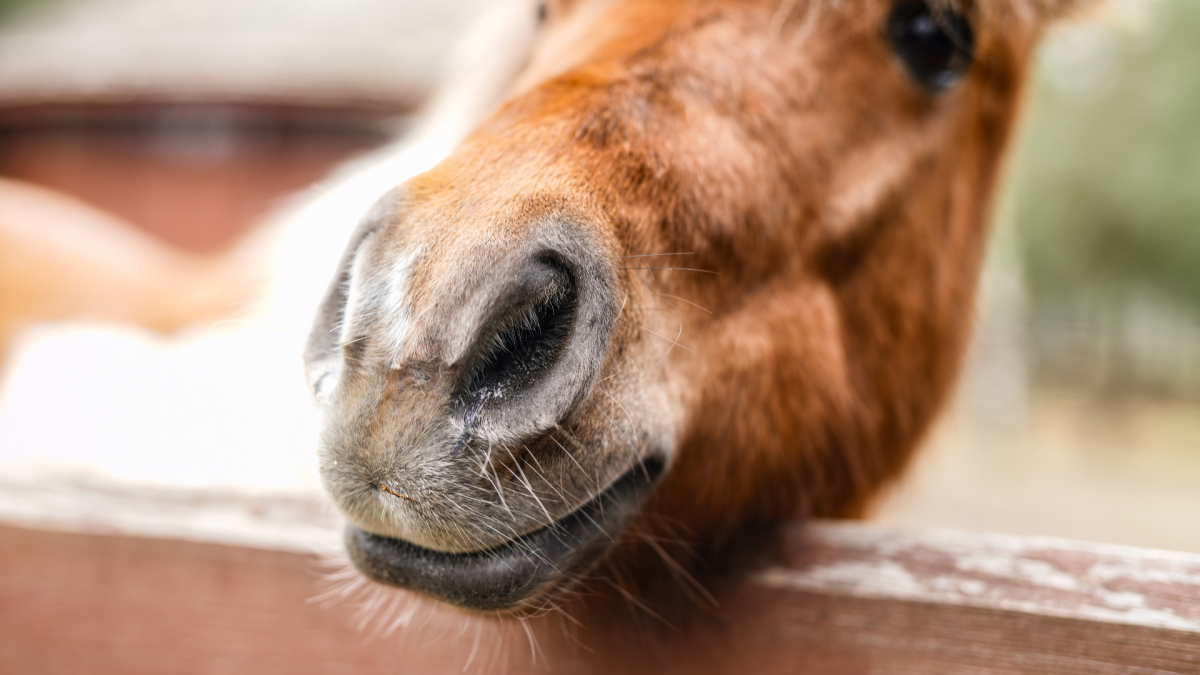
(709, 268)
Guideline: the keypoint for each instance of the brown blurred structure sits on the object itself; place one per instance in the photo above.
(193, 119)
(196, 176)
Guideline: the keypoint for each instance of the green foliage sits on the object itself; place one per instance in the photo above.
(1107, 190)
(10, 8)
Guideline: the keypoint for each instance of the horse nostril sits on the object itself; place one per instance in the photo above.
(524, 339)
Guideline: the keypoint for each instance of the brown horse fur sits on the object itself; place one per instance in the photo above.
(778, 232)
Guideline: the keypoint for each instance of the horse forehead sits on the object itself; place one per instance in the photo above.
(472, 220)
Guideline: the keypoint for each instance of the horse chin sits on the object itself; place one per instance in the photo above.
(520, 575)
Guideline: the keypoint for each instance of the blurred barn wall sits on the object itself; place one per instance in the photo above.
(193, 119)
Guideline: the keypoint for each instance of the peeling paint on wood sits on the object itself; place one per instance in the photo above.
(1034, 575)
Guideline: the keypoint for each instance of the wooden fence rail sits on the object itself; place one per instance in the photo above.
(97, 577)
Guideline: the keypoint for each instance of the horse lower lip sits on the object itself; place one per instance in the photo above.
(500, 578)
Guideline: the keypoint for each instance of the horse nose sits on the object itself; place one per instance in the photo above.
(537, 349)
(522, 339)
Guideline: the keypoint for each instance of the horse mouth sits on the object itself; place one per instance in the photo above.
(512, 575)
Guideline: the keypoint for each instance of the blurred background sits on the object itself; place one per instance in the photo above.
(186, 123)
(1080, 412)
(192, 119)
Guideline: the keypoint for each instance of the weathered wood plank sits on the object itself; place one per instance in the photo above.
(94, 604)
(844, 598)
(865, 599)
(84, 502)
(1033, 575)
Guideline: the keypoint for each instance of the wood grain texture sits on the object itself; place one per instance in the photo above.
(108, 604)
(842, 599)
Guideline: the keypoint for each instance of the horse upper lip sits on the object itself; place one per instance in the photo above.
(503, 577)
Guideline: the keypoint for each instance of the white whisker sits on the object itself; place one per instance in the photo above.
(673, 342)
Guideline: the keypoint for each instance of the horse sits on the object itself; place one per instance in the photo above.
(707, 269)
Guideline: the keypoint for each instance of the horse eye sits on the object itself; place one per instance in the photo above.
(936, 46)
